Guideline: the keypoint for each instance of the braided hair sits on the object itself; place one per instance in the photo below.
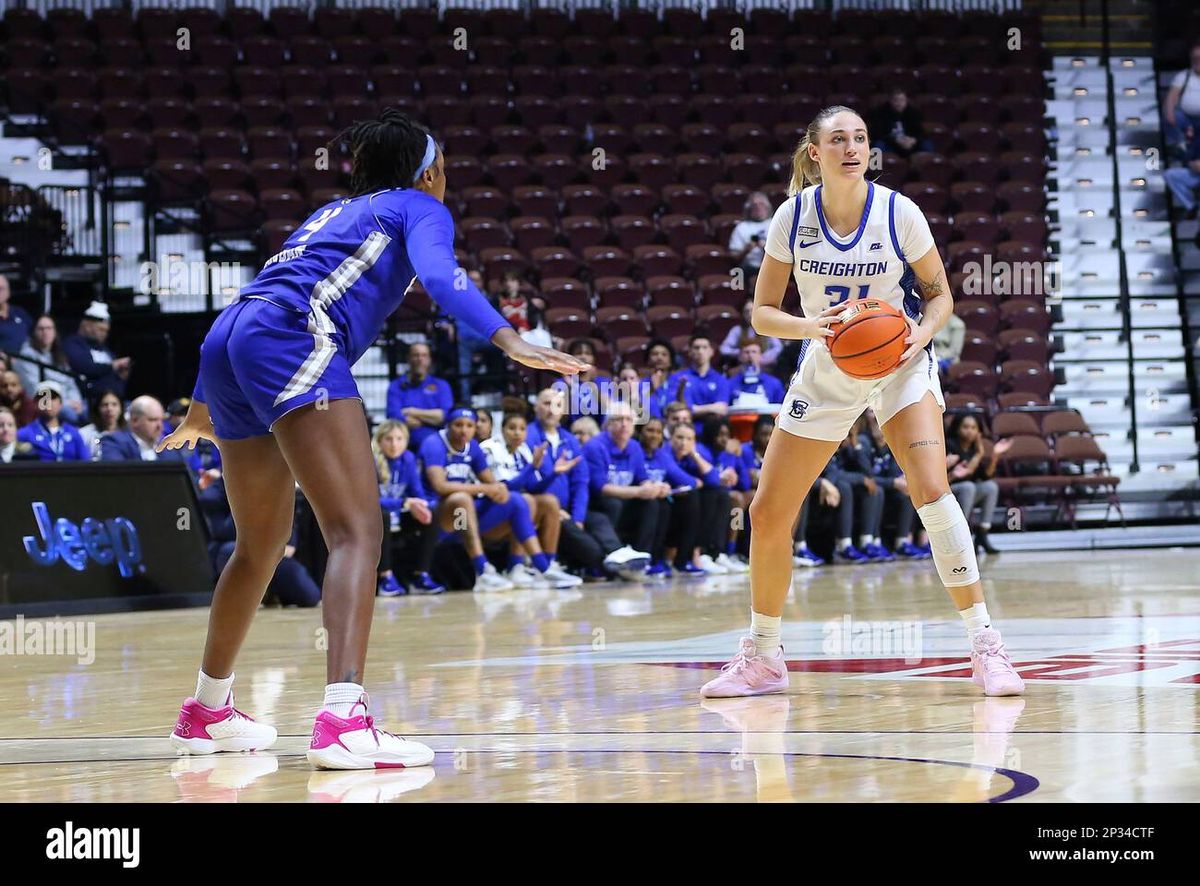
(385, 152)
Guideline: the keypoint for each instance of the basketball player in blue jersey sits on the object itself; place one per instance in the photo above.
(276, 394)
(842, 237)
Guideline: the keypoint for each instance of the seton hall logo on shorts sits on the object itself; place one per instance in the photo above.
(799, 407)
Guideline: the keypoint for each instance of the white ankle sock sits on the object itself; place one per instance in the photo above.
(341, 697)
(864, 540)
(976, 618)
(843, 543)
(765, 631)
(211, 692)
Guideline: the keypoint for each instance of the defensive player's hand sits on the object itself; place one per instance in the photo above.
(196, 426)
(536, 357)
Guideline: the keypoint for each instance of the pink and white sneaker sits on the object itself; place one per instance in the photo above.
(201, 730)
(749, 674)
(991, 667)
(354, 743)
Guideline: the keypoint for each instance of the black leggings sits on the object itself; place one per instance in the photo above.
(411, 548)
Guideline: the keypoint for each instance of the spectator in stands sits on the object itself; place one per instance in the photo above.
(526, 471)
(660, 366)
(52, 438)
(584, 429)
(1181, 109)
(90, 356)
(1184, 180)
(568, 483)
(751, 386)
(971, 472)
(678, 413)
(853, 459)
(897, 126)
(407, 512)
(12, 449)
(750, 234)
(43, 346)
(674, 547)
(731, 346)
(633, 390)
(523, 312)
(15, 323)
(706, 391)
(419, 399)
(624, 503)
(138, 441)
(718, 440)
(483, 425)
(108, 414)
(13, 397)
(948, 342)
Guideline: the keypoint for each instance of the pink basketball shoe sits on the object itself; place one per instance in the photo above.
(991, 667)
(354, 743)
(749, 674)
(201, 730)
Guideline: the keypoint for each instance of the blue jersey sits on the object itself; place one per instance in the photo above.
(404, 481)
(431, 393)
(461, 465)
(63, 443)
(608, 464)
(663, 467)
(350, 264)
(571, 488)
(701, 390)
(751, 382)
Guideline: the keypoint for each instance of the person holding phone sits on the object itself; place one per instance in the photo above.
(750, 234)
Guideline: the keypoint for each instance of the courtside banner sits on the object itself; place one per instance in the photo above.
(97, 536)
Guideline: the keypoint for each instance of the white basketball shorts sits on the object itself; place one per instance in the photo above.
(822, 402)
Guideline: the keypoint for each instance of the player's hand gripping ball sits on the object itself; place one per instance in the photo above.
(868, 338)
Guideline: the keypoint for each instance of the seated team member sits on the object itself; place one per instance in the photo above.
(676, 413)
(137, 443)
(483, 425)
(854, 459)
(971, 471)
(623, 502)
(11, 449)
(772, 347)
(419, 399)
(675, 543)
(751, 386)
(896, 502)
(697, 461)
(108, 414)
(634, 391)
(407, 511)
(51, 438)
(706, 390)
(473, 502)
(584, 429)
(718, 440)
(660, 367)
(752, 452)
(829, 490)
(529, 473)
(568, 483)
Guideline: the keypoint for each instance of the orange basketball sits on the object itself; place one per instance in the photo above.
(868, 340)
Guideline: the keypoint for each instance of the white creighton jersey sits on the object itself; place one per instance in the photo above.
(871, 263)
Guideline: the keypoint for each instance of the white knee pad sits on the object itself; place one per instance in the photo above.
(951, 541)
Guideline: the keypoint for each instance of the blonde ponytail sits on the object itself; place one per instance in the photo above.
(805, 170)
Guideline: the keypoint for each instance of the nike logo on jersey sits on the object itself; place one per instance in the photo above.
(810, 243)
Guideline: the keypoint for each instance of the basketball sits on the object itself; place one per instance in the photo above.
(868, 339)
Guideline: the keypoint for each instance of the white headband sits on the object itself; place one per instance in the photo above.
(427, 160)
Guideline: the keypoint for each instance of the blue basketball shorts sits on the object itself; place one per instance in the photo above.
(260, 361)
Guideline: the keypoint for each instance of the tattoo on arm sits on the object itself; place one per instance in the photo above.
(917, 443)
(932, 288)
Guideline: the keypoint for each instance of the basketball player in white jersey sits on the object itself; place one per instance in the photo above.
(845, 238)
